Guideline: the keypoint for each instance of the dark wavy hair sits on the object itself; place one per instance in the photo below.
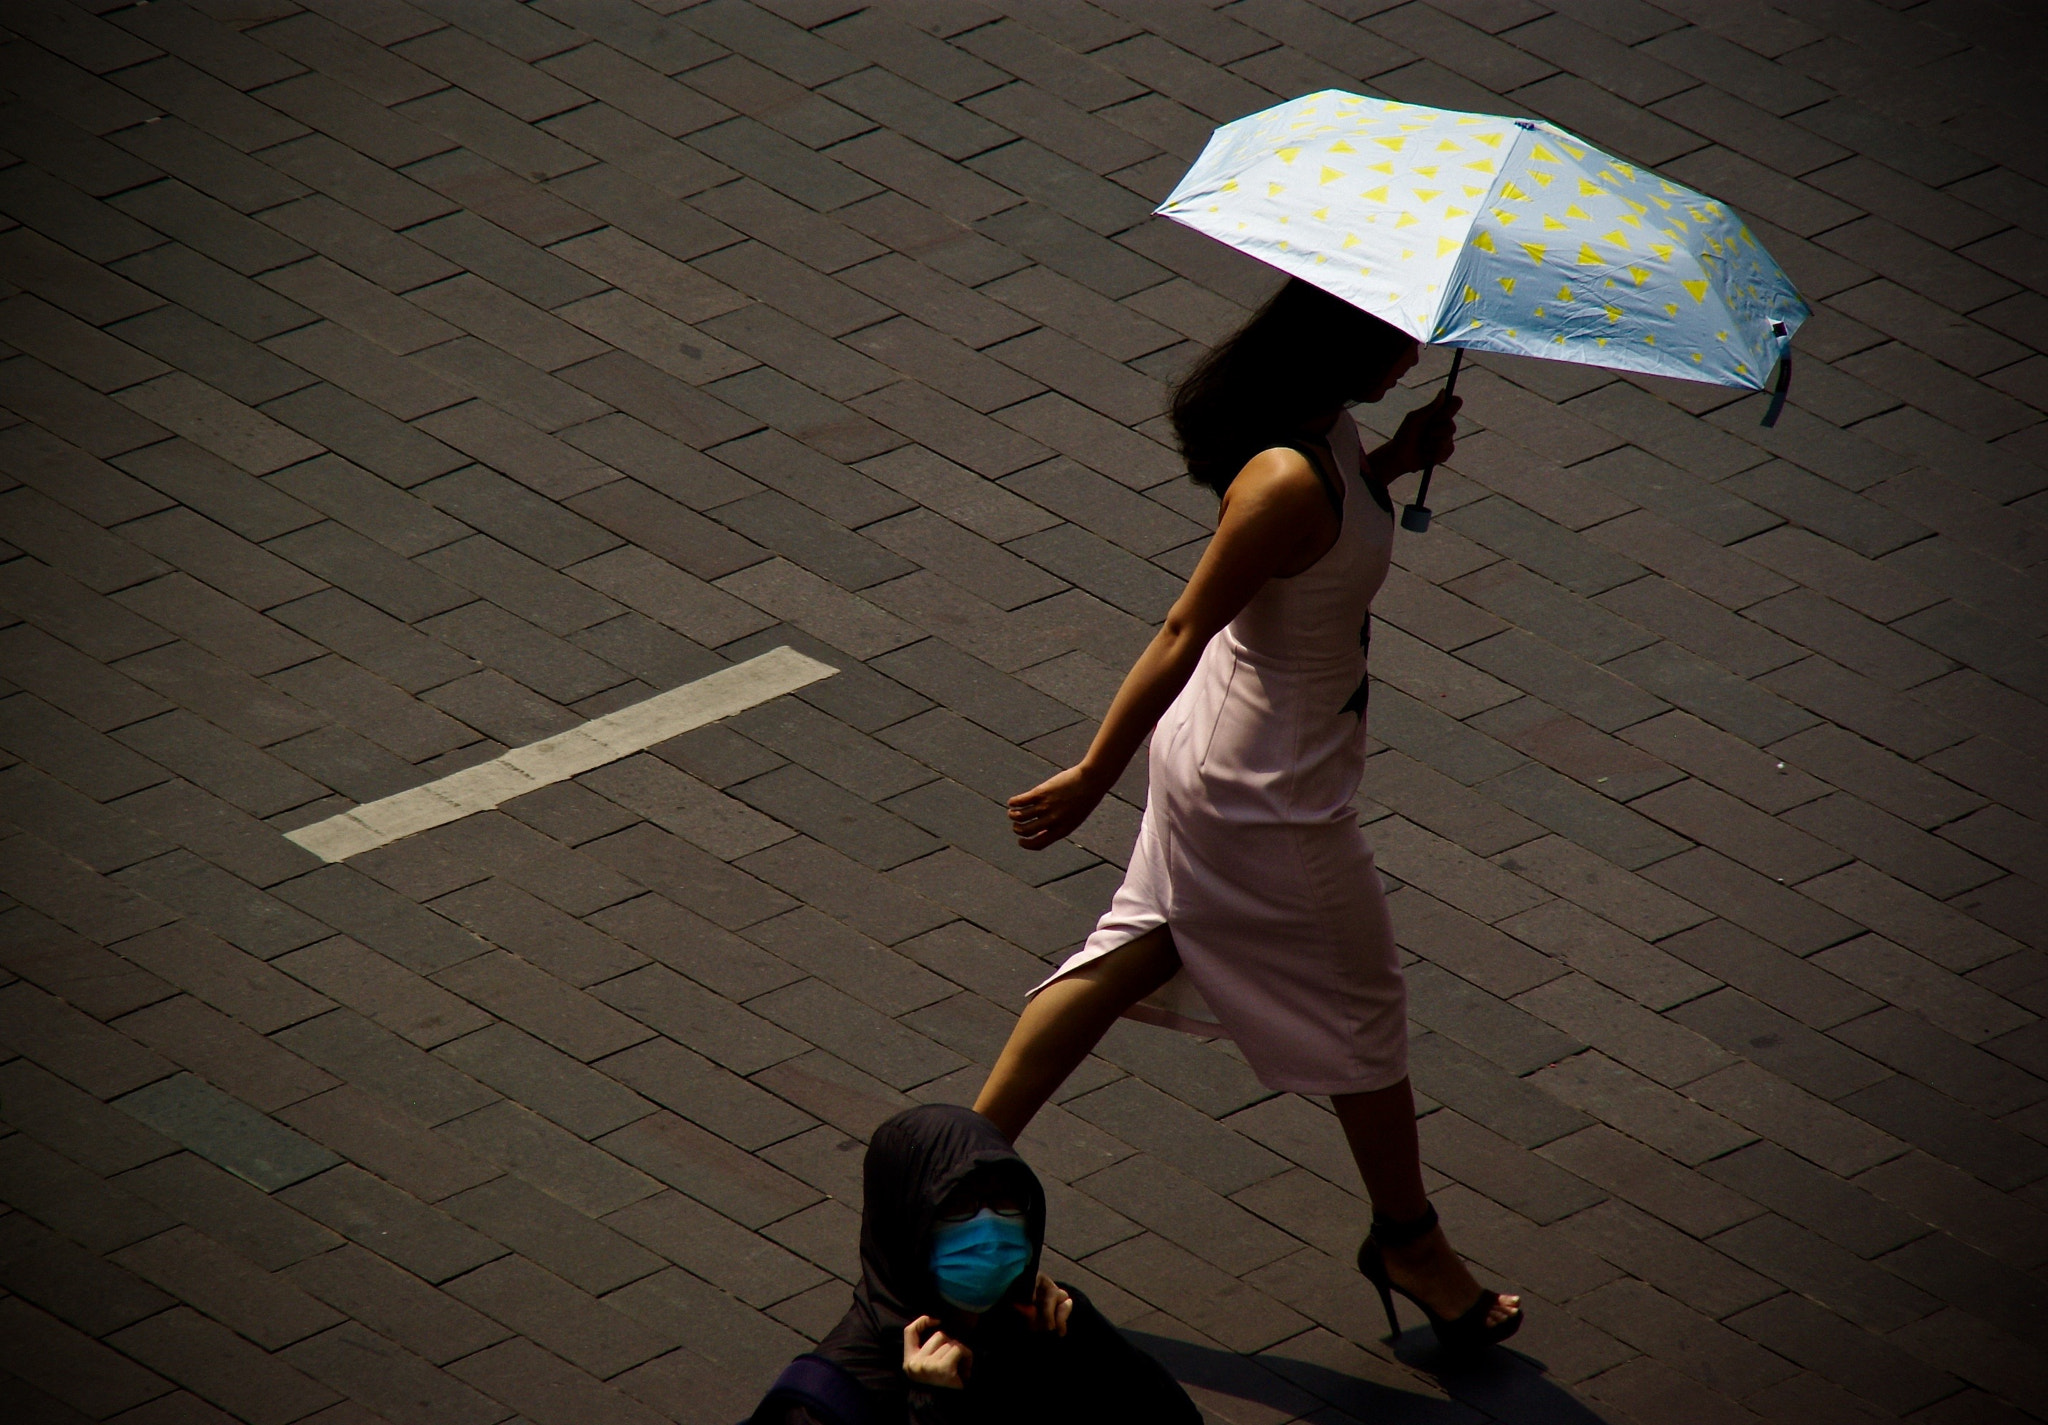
(1299, 357)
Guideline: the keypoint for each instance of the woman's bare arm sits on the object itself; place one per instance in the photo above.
(1275, 521)
(1427, 436)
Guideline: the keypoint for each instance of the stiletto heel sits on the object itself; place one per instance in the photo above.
(1387, 1305)
(1463, 1333)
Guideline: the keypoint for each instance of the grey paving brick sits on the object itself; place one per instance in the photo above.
(68, 281)
(1506, 1172)
(1699, 625)
(347, 765)
(707, 1169)
(1765, 844)
(896, 1055)
(1630, 1035)
(744, 1264)
(73, 1201)
(558, 943)
(788, 108)
(392, 1223)
(76, 1368)
(571, 1246)
(557, 1087)
(71, 1283)
(813, 806)
(81, 757)
(848, 960)
(536, 1001)
(73, 410)
(1759, 1033)
(380, 919)
(70, 967)
(658, 656)
(377, 1374)
(73, 347)
(708, 1095)
(267, 1309)
(1541, 607)
(86, 1130)
(389, 1143)
(851, 1101)
(259, 1227)
(797, 351)
(1912, 1046)
(559, 1163)
(227, 1132)
(351, 1047)
(668, 864)
(35, 874)
(728, 1034)
(217, 972)
(214, 291)
(1876, 1371)
(845, 889)
(687, 942)
(634, 88)
(372, 439)
(1751, 900)
(1937, 1124)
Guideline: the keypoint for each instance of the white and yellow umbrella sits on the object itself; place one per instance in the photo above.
(1496, 234)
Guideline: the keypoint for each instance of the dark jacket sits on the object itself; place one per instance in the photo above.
(1019, 1374)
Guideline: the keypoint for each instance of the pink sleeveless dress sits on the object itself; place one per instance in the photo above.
(1250, 848)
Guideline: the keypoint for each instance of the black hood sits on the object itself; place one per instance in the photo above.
(914, 1162)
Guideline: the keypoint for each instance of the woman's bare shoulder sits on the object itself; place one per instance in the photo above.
(1280, 476)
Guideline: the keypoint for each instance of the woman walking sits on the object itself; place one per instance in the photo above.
(1251, 908)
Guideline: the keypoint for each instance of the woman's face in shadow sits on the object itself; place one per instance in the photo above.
(971, 1197)
(1376, 387)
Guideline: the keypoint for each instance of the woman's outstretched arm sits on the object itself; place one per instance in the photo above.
(1275, 521)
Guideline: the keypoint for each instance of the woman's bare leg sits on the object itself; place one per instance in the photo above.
(1380, 1127)
(1064, 1021)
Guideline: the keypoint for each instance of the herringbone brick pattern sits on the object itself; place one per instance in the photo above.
(390, 382)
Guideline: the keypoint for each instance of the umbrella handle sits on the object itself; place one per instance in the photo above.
(1415, 519)
(1784, 386)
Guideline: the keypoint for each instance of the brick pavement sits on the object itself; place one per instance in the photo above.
(387, 382)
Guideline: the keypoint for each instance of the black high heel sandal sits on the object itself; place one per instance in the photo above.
(1462, 1334)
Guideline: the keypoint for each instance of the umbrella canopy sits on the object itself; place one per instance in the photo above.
(1495, 234)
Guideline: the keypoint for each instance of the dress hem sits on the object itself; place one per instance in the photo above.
(1326, 1089)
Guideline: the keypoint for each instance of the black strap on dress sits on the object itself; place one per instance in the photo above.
(1323, 461)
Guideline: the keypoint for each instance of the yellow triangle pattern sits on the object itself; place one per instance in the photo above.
(1681, 233)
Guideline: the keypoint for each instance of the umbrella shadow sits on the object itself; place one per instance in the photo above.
(1501, 1384)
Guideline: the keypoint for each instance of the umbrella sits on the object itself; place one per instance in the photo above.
(1496, 234)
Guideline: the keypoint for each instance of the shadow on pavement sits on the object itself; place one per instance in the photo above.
(1502, 1385)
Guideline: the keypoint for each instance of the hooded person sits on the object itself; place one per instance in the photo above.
(952, 1322)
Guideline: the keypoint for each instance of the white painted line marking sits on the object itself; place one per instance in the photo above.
(566, 754)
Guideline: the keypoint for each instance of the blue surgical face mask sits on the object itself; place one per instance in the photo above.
(975, 1261)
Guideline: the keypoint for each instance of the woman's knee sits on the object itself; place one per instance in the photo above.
(1138, 967)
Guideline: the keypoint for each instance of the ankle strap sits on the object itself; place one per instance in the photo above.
(1389, 1233)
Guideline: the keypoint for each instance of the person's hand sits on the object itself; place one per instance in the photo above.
(1427, 436)
(1049, 1307)
(1054, 808)
(937, 1359)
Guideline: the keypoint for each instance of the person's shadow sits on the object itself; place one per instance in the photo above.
(1501, 1384)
